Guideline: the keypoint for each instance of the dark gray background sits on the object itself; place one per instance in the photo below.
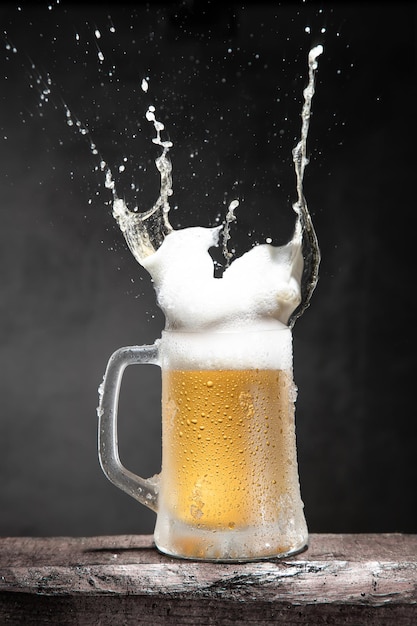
(71, 292)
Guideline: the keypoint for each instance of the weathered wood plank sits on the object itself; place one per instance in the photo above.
(349, 579)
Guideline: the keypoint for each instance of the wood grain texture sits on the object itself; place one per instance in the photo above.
(341, 579)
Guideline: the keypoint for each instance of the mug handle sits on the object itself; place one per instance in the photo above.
(143, 490)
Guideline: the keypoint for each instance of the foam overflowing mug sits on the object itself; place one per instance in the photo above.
(228, 488)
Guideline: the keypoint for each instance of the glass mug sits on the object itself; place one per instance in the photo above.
(228, 488)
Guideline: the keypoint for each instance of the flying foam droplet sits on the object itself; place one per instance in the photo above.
(150, 115)
(145, 85)
(313, 54)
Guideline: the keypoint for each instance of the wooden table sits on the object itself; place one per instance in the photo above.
(352, 580)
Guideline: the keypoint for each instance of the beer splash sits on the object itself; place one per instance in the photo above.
(145, 232)
(304, 232)
(291, 270)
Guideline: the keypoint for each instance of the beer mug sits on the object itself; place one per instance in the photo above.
(228, 488)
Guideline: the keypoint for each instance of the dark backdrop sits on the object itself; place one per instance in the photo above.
(228, 84)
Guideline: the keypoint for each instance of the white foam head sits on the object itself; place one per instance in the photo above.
(260, 289)
(250, 349)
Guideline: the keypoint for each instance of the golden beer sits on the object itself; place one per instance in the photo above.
(228, 446)
(228, 488)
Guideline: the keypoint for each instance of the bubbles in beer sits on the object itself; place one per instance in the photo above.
(224, 449)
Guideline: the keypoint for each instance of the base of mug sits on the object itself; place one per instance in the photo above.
(229, 546)
(226, 559)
